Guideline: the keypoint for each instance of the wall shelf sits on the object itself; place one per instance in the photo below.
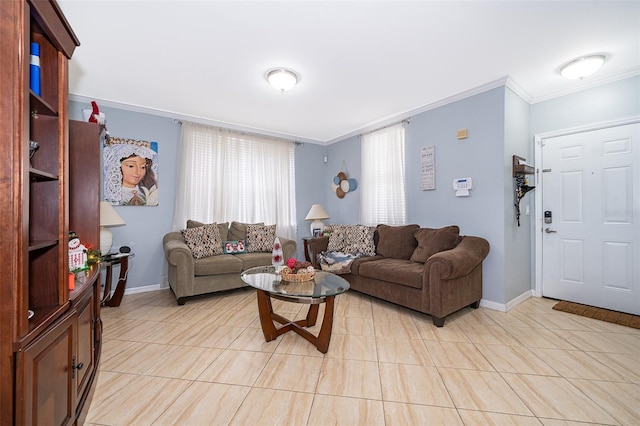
(520, 170)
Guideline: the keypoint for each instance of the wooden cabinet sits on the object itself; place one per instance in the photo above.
(45, 383)
(49, 336)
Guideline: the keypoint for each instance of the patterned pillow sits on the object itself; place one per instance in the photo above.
(203, 241)
(336, 238)
(222, 227)
(359, 240)
(260, 238)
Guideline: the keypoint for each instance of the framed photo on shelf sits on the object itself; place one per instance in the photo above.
(317, 232)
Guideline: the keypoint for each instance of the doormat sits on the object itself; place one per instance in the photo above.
(599, 313)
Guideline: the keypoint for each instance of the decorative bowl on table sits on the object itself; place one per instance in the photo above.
(299, 277)
(296, 271)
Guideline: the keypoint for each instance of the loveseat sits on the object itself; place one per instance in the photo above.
(434, 271)
(205, 258)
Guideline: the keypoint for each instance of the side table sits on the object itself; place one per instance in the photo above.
(109, 261)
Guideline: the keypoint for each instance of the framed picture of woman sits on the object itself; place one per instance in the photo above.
(130, 172)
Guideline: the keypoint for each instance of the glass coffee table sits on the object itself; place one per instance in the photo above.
(321, 289)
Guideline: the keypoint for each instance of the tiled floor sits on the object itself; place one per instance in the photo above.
(206, 363)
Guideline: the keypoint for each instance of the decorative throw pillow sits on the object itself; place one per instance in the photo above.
(222, 227)
(432, 241)
(260, 238)
(336, 238)
(203, 241)
(359, 240)
(234, 247)
(396, 242)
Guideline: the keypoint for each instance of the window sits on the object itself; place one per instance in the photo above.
(382, 183)
(226, 175)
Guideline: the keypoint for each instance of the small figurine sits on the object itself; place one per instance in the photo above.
(77, 254)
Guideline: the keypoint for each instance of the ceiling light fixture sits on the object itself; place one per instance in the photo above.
(582, 67)
(282, 79)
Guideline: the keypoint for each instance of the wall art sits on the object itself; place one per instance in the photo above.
(130, 172)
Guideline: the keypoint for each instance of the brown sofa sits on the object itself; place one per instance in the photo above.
(434, 271)
(191, 276)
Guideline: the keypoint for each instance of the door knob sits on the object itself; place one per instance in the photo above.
(549, 231)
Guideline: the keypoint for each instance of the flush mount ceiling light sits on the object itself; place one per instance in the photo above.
(582, 67)
(282, 79)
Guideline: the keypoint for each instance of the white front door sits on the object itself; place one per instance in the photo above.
(591, 191)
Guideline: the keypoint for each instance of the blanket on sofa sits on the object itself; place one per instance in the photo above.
(336, 262)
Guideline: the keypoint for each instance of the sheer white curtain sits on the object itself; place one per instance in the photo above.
(382, 189)
(226, 175)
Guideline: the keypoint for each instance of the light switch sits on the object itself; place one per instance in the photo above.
(462, 134)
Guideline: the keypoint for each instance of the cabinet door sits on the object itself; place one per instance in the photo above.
(85, 354)
(46, 384)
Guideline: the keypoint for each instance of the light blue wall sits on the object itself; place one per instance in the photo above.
(613, 101)
(347, 209)
(517, 239)
(145, 225)
(478, 157)
(310, 175)
(499, 123)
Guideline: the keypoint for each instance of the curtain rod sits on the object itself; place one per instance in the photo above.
(406, 121)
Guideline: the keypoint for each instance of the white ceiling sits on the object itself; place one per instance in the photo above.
(363, 64)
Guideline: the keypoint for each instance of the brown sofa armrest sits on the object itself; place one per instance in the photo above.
(316, 246)
(461, 260)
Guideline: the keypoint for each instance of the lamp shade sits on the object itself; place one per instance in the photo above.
(108, 217)
(316, 214)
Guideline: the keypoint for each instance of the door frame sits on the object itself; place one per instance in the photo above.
(538, 216)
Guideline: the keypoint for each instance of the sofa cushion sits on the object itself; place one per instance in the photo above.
(203, 241)
(432, 241)
(252, 260)
(215, 265)
(358, 239)
(234, 247)
(397, 271)
(396, 242)
(355, 265)
(260, 238)
(238, 230)
(222, 227)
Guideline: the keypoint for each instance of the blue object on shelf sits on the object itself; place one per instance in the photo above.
(34, 80)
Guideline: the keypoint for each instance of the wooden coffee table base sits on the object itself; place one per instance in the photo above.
(267, 318)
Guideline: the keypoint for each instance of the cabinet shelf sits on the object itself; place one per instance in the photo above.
(41, 107)
(41, 199)
(41, 176)
(44, 244)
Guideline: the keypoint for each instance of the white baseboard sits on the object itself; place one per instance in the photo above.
(505, 307)
(518, 300)
(144, 289)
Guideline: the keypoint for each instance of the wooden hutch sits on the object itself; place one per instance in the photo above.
(50, 336)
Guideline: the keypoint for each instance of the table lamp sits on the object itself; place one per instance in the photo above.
(316, 214)
(108, 217)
